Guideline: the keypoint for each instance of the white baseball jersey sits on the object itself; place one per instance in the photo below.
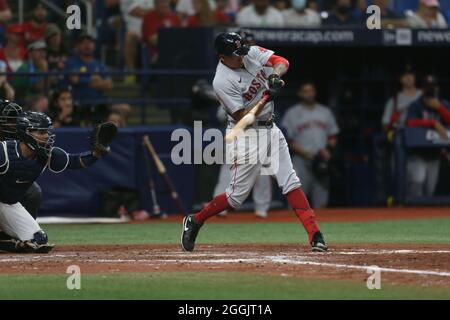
(242, 88)
(310, 128)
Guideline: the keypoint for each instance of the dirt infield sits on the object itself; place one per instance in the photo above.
(331, 215)
(400, 264)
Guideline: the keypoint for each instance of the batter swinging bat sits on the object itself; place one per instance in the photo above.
(162, 170)
(246, 120)
(151, 184)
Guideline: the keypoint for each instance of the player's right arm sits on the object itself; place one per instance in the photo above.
(230, 98)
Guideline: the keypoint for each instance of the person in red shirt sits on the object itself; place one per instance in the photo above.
(5, 12)
(14, 52)
(160, 17)
(205, 17)
(35, 28)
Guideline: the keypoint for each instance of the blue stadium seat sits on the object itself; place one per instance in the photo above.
(401, 5)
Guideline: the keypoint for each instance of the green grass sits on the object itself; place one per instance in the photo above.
(204, 286)
(404, 231)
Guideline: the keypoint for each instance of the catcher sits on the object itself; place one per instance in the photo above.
(9, 111)
(22, 162)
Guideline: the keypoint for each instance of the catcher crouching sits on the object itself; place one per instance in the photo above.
(22, 162)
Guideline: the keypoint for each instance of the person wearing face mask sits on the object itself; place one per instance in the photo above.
(299, 16)
(341, 15)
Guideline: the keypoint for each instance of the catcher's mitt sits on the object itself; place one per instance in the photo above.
(102, 136)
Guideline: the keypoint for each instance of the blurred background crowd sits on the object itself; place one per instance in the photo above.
(80, 77)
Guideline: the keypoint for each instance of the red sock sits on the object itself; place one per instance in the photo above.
(217, 205)
(300, 204)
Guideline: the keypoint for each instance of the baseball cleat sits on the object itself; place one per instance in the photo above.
(189, 232)
(318, 243)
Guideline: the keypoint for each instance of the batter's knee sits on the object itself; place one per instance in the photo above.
(291, 183)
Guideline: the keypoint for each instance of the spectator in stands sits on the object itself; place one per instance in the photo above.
(205, 17)
(35, 28)
(312, 137)
(185, 8)
(6, 90)
(299, 16)
(341, 15)
(5, 16)
(117, 119)
(427, 16)
(160, 16)
(91, 79)
(5, 12)
(133, 12)
(62, 109)
(396, 108)
(39, 103)
(27, 85)
(14, 53)
(56, 53)
(430, 111)
(259, 14)
(281, 5)
(228, 7)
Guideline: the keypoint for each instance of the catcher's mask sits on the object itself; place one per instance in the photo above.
(9, 111)
(34, 129)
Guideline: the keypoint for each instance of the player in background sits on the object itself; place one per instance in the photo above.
(429, 111)
(312, 136)
(248, 77)
(262, 191)
(21, 163)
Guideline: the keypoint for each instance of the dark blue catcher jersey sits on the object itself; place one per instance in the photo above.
(18, 173)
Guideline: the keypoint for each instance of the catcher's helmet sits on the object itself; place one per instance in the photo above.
(9, 111)
(31, 121)
(230, 44)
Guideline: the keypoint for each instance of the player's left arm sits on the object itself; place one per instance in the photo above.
(60, 160)
(279, 64)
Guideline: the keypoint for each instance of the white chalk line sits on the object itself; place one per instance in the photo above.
(286, 258)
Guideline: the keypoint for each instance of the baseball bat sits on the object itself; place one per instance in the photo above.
(162, 170)
(246, 120)
(151, 184)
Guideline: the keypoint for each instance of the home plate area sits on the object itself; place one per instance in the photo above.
(406, 264)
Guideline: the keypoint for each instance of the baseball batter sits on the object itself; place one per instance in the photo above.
(21, 163)
(247, 77)
(262, 190)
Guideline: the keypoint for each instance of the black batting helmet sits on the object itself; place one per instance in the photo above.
(30, 121)
(247, 36)
(230, 44)
(9, 111)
